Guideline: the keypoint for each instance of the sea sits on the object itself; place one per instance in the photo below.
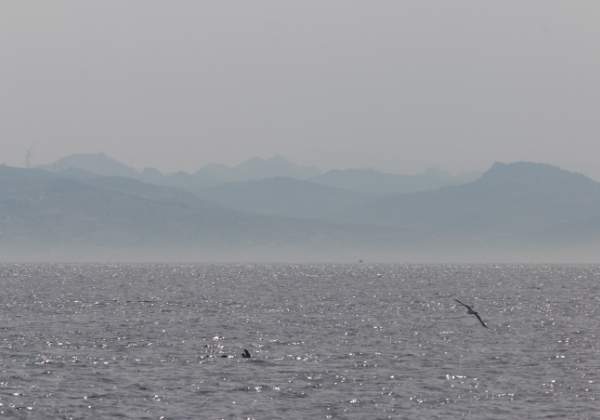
(327, 341)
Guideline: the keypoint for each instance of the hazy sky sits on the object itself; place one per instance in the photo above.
(394, 84)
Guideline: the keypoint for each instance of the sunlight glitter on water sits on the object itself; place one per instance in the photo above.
(102, 341)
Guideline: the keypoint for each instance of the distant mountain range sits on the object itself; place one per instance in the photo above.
(373, 182)
(286, 197)
(513, 211)
(366, 181)
(93, 163)
(74, 215)
(521, 200)
(206, 177)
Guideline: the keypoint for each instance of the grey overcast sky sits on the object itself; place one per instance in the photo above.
(397, 85)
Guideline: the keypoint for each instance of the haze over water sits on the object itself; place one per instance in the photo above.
(328, 341)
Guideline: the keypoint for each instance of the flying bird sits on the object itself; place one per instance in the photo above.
(471, 311)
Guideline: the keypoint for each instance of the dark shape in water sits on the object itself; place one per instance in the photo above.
(471, 311)
(245, 355)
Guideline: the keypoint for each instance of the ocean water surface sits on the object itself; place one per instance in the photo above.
(327, 341)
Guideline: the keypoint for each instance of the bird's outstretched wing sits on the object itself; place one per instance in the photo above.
(472, 312)
(480, 320)
(465, 305)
